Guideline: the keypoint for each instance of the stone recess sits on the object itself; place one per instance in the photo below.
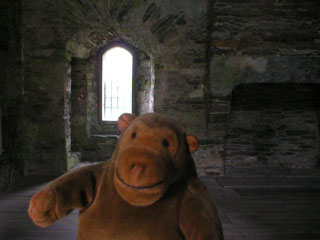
(267, 129)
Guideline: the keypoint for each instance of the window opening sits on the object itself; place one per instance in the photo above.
(117, 68)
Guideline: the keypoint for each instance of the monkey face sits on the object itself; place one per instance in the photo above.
(150, 156)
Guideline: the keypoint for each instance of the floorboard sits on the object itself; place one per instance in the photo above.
(249, 208)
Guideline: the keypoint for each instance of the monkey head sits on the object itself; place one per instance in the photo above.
(152, 153)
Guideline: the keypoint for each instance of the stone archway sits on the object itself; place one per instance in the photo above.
(87, 138)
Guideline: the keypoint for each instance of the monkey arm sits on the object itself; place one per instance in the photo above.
(73, 190)
(199, 219)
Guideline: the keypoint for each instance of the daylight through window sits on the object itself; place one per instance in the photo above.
(117, 65)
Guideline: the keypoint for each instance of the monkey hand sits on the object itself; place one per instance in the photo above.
(42, 208)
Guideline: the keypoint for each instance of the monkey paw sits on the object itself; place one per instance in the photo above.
(42, 208)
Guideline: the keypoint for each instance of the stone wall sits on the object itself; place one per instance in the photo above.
(191, 56)
(263, 42)
(170, 38)
(11, 143)
(45, 75)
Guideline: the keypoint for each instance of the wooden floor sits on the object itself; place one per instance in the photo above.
(250, 208)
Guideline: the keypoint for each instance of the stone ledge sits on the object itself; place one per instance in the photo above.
(105, 136)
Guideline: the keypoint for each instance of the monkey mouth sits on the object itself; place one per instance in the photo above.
(151, 186)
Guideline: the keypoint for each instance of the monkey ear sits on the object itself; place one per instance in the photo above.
(124, 120)
(193, 142)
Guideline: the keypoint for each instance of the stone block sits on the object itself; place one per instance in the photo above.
(209, 160)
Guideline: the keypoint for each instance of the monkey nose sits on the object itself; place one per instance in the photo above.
(137, 170)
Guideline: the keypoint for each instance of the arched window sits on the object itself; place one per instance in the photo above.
(116, 83)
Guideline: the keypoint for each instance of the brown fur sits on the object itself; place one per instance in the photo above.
(148, 190)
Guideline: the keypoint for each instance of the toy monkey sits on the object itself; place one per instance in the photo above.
(148, 190)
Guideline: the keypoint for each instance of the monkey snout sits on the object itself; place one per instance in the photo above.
(137, 170)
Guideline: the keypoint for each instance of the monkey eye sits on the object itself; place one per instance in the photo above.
(165, 143)
(133, 135)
